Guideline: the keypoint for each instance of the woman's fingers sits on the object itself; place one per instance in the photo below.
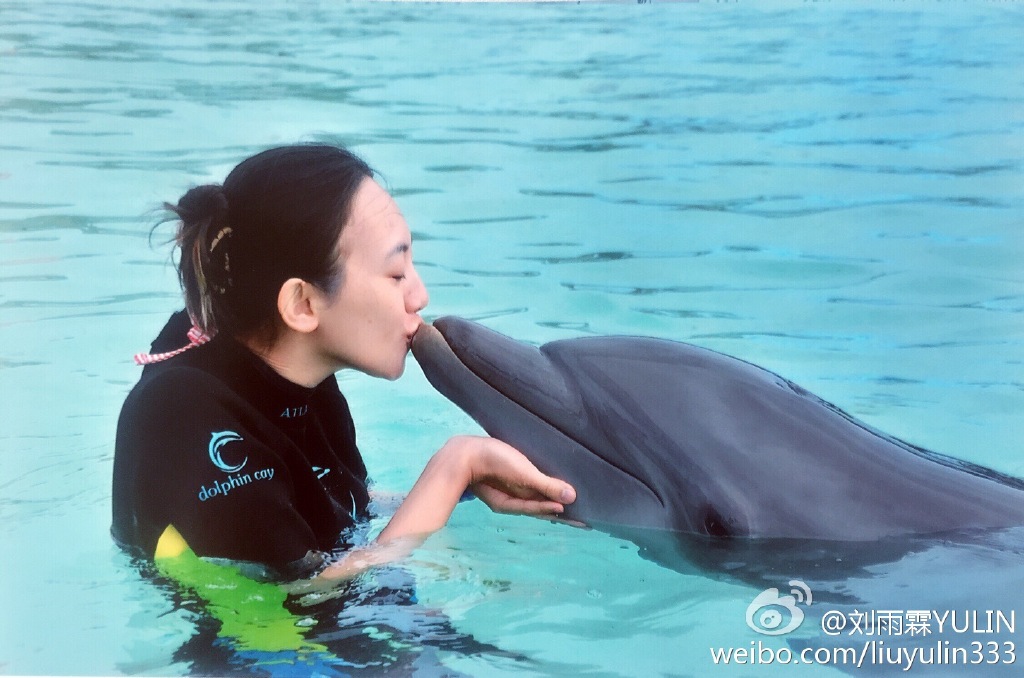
(501, 501)
(509, 483)
(557, 490)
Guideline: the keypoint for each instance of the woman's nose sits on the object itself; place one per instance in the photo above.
(417, 298)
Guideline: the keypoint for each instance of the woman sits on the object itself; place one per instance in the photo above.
(236, 438)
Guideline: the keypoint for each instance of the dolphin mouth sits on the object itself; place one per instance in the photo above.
(446, 357)
(439, 353)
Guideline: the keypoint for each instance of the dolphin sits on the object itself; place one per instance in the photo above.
(661, 436)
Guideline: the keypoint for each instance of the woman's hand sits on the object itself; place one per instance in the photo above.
(504, 479)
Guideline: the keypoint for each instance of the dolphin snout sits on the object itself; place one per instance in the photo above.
(426, 336)
(453, 348)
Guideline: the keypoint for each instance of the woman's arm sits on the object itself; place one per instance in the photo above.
(496, 473)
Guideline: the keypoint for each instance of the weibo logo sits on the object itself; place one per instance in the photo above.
(218, 441)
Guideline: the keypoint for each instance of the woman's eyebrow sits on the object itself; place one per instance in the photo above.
(401, 248)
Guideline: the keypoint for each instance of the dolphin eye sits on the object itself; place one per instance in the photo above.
(714, 524)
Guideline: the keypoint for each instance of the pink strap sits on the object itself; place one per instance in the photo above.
(196, 337)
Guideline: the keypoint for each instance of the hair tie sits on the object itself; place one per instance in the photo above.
(196, 337)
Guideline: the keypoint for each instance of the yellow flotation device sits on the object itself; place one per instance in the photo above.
(252, 613)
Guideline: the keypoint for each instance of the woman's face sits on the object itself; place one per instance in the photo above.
(369, 322)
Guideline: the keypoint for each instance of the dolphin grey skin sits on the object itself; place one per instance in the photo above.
(657, 436)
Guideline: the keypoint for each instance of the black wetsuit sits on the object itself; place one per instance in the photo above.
(243, 463)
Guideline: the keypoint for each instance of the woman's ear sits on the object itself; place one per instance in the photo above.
(297, 306)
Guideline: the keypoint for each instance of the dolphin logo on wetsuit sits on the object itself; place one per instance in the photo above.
(219, 440)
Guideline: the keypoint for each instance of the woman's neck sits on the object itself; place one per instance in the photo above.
(293, 359)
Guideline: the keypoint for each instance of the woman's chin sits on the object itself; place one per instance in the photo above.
(395, 371)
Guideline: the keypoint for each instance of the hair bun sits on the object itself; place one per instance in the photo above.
(203, 212)
(203, 203)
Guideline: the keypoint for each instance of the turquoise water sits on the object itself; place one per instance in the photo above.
(831, 190)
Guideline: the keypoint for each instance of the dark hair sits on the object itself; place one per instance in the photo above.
(278, 215)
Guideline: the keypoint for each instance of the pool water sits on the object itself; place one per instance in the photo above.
(831, 190)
